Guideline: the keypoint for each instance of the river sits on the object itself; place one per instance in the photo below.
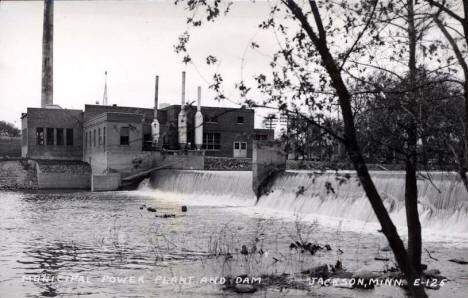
(57, 243)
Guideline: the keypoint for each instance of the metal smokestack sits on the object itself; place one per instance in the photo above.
(198, 122)
(183, 88)
(47, 86)
(156, 97)
(198, 98)
(155, 127)
(182, 121)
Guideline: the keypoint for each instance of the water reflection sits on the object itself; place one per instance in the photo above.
(79, 243)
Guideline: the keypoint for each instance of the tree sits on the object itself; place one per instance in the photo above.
(440, 121)
(454, 27)
(308, 71)
(8, 129)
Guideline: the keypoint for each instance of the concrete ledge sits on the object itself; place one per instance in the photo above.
(62, 181)
(105, 182)
(268, 159)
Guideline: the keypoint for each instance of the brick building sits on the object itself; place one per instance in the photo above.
(52, 134)
(74, 134)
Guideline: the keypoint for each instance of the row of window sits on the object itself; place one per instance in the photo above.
(97, 137)
(54, 136)
(90, 138)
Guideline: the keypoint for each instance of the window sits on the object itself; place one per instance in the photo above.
(40, 135)
(94, 138)
(59, 136)
(69, 136)
(104, 137)
(99, 136)
(211, 141)
(236, 145)
(243, 146)
(124, 135)
(86, 140)
(240, 120)
(89, 139)
(50, 136)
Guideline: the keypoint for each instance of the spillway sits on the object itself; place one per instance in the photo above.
(443, 202)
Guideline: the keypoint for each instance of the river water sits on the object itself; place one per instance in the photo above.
(69, 244)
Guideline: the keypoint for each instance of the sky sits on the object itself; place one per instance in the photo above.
(133, 40)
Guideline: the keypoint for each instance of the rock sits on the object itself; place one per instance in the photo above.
(244, 288)
(327, 247)
(319, 271)
(365, 274)
(244, 250)
(338, 265)
(459, 261)
(166, 215)
(151, 209)
(381, 259)
(432, 272)
(386, 248)
(184, 208)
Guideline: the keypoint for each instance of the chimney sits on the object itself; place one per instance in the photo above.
(104, 97)
(156, 97)
(183, 88)
(182, 119)
(199, 123)
(155, 127)
(198, 98)
(47, 86)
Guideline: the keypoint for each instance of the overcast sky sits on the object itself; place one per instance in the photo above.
(133, 40)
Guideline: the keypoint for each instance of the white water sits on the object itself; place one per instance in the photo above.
(443, 203)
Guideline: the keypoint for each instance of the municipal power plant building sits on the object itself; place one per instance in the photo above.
(53, 133)
(126, 140)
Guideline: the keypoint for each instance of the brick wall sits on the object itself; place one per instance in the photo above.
(222, 121)
(55, 119)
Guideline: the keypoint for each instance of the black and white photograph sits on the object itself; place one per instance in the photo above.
(234, 148)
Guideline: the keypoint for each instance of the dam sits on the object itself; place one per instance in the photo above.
(443, 202)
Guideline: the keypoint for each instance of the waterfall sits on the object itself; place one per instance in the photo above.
(442, 202)
(225, 188)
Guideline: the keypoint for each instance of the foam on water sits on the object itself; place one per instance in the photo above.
(219, 188)
(327, 197)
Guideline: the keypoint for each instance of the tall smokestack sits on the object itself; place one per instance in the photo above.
(156, 97)
(182, 121)
(104, 96)
(155, 127)
(199, 122)
(198, 98)
(183, 88)
(47, 87)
